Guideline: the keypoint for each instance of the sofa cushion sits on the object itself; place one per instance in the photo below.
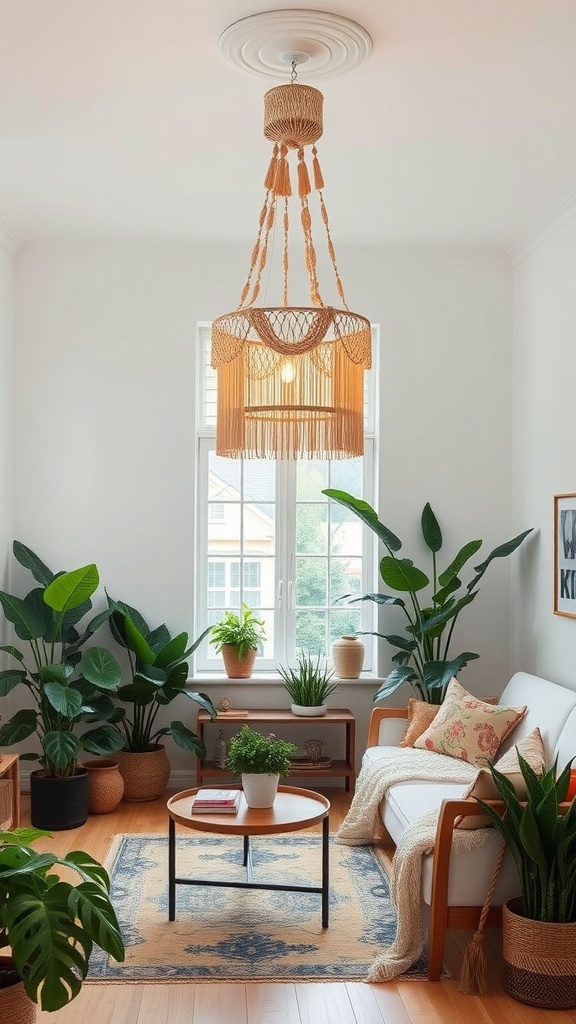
(468, 728)
(531, 749)
(421, 714)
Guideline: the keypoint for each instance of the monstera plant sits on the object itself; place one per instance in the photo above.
(67, 680)
(430, 602)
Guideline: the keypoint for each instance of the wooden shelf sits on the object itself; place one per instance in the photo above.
(9, 791)
(344, 768)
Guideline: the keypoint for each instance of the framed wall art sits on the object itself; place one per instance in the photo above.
(565, 555)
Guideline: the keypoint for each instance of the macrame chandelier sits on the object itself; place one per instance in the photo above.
(291, 378)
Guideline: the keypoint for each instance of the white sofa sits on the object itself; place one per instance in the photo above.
(454, 885)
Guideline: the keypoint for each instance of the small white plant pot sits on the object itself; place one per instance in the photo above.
(260, 790)
(301, 709)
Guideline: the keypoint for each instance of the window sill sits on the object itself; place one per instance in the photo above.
(268, 679)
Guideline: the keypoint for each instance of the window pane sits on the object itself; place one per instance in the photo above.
(346, 475)
(311, 529)
(311, 583)
(311, 630)
(312, 476)
(346, 622)
(345, 577)
(345, 531)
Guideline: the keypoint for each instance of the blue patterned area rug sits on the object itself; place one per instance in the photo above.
(238, 934)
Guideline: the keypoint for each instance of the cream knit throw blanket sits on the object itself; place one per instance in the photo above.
(360, 827)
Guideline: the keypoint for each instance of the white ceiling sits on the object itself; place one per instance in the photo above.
(119, 121)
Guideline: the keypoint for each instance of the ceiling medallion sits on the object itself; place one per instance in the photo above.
(322, 44)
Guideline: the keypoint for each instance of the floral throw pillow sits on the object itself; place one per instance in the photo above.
(468, 728)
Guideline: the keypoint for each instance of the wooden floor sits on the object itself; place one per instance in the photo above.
(399, 1002)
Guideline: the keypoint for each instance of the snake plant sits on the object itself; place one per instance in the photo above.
(541, 839)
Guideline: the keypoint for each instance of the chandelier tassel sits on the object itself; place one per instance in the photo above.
(304, 187)
(318, 179)
(282, 186)
(271, 172)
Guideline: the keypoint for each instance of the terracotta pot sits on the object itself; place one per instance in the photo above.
(236, 669)
(539, 959)
(260, 790)
(348, 657)
(105, 786)
(145, 774)
(15, 1006)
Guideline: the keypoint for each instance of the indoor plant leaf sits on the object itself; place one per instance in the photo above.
(431, 529)
(401, 574)
(72, 588)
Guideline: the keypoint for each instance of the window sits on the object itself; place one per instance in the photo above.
(268, 537)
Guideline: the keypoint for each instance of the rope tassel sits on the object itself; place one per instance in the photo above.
(318, 179)
(282, 186)
(304, 187)
(474, 964)
(271, 172)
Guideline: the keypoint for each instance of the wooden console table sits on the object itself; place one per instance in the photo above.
(256, 717)
(9, 791)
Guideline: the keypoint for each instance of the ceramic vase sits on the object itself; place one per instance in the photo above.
(105, 786)
(348, 657)
(260, 790)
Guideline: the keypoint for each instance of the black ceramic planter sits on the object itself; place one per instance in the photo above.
(58, 804)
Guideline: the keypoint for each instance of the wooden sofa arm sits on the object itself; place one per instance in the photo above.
(377, 716)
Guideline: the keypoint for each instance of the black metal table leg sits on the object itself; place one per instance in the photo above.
(325, 871)
(171, 869)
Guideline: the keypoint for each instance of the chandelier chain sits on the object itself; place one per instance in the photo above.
(294, 72)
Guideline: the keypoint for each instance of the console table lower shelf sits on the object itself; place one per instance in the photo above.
(336, 768)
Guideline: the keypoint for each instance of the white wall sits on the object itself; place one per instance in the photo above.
(544, 432)
(5, 414)
(104, 415)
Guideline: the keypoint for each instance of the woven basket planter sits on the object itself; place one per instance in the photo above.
(15, 1006)
(145, 774)
(539, 959)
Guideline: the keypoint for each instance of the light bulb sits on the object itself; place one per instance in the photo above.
(287, 371)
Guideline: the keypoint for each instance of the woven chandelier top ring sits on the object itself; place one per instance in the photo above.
(291, 331)
(293, 115)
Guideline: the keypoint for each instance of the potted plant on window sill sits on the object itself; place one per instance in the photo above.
(66, 685)
(308, 685)
(539, 926)
(158, 665)
(237, 638)
(260, 760)
(50, 925)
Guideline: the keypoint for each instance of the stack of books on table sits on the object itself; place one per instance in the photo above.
(216, 801)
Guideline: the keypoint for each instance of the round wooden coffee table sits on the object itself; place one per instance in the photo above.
(294, 809)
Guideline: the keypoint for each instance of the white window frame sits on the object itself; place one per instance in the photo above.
(285, 499)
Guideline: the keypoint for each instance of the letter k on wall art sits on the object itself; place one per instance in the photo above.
(565, 555)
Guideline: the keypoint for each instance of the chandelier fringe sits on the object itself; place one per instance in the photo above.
(318, 179)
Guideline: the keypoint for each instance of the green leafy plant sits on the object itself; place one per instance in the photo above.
(251, 752)
(159, 674)
(541, 840)
(244, 632)
(422, 657)
(309, 684)
(66, 684)
(51, 926)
